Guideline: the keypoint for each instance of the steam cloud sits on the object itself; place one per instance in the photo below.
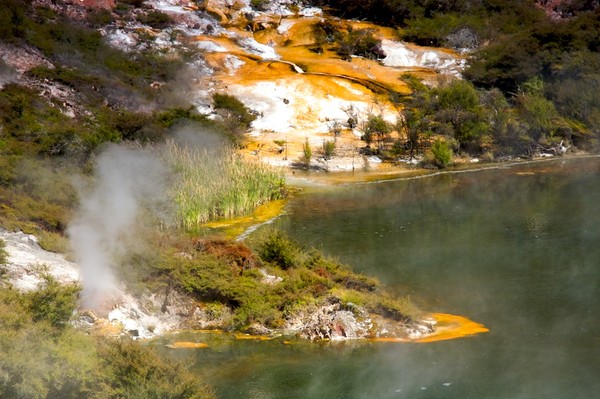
(7, 73)
(126, 181)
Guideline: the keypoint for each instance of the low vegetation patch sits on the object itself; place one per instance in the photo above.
(273, 278)
(44, 356)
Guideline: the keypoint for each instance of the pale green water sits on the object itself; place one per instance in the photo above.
(516, 249)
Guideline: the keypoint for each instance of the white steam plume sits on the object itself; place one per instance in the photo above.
(126, 179)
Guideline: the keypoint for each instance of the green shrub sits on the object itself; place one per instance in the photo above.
(40, 361)
(171, 116)
(208, 278)
(68, 76)
(53, 302)
(12, 20)
(100, 17)
(359, 42)
(136, 371)
(259, 5)
(442, 153)
(328, 149)
(279, 250)
(155, 19)
(401, 309)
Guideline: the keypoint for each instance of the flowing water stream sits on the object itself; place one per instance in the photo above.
(516, 249)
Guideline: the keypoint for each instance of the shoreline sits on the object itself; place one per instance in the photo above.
(302, 178)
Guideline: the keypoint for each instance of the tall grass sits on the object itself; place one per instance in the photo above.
(219, 185)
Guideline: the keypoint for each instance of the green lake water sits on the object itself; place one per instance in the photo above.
(515, 248)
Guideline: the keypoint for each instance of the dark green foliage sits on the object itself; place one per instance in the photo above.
(208, 278)
(457, 111)
(136, 371)
(414, 125)
(258, 4)
(133, 3)
(442, 153)
(332, 269)
(536, 111)
(3, 256)
(155, 19)
(328, 149)
(70, 77)
(454, 110)
(53, 302)
(298, 278)
(359, 42)
(100, 17)
(12, 20)
(170, 116)
(544, 49)
(236, 117)
(325, 32)
(376, 129)
(432, 31)
(279, 250)
(521, 43)
(388, 12)
(40, 360)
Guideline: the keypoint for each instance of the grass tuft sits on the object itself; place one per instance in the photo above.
(213, 186)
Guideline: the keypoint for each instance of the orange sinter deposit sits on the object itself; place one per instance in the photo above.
(451, 326)
(302, 90)
(447, 327)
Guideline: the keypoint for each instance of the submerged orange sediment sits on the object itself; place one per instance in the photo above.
(235, 226)
(448, 326)
(249, 337)
(187, 345)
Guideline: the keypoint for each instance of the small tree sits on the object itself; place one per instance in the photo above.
(236, 116)
(536, 110)
(413, 123)
(335, 127)
(458, 113)
(376, 128)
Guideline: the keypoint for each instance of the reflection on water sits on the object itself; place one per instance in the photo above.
(516, 249)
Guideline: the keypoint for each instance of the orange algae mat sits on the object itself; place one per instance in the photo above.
(448, 326)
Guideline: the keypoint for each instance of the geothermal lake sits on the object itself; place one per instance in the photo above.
(515, 248)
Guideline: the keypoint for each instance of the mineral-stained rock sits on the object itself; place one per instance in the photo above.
(332, 321)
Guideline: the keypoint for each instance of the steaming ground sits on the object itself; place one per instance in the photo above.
(104, 230)
(128, 184)
(28, 263)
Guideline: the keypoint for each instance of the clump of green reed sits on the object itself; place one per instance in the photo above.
(219, 185)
